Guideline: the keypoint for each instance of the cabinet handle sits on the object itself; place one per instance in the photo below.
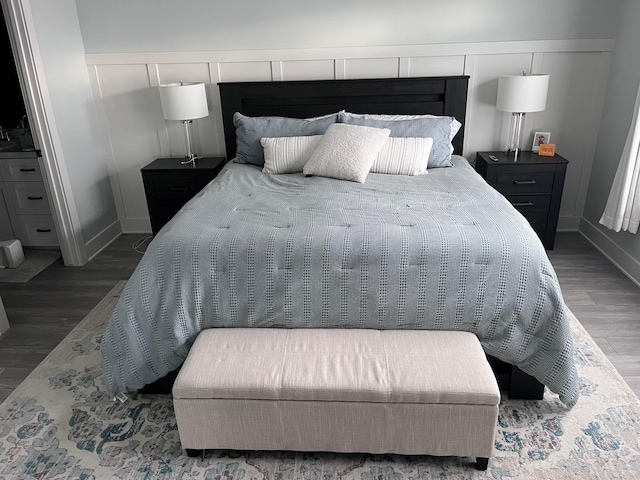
(179, 189)
(27, 169)
(35, 198)
(524, 182)
(43, 230)
(522, 204)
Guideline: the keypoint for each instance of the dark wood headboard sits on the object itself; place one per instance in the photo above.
(311, 98)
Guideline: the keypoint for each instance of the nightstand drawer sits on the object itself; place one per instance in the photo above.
(531, 204)
(538, 222)
(177, 189)
(524, 182)
(167, 210)
(169, 184)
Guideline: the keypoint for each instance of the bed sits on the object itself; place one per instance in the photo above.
(436, 251)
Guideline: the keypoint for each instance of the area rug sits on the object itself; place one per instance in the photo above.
(35, 261)
(60, 424)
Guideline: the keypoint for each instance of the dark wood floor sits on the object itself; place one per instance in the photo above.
(44, 310)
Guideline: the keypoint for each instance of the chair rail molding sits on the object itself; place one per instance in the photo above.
(33, 83)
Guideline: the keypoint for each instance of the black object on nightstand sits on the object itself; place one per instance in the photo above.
(532, 183)
(168, 185)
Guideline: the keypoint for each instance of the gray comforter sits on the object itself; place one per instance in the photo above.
(439, 251)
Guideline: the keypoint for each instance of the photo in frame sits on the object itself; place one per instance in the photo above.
(540, 138)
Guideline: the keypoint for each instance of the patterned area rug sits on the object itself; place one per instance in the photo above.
(60, 424)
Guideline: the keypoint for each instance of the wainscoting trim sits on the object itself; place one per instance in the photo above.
(431, 50)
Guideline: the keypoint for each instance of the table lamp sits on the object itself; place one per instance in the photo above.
(185, 102)
(520, 94)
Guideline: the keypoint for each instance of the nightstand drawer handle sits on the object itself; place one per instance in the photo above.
(522, 204)
(524, 182)
(43, 230)
(179, 189)
(27, 169)
(35, 198)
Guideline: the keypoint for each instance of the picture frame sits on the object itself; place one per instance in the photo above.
(538, 138)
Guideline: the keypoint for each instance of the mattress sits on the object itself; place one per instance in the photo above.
(441, 251)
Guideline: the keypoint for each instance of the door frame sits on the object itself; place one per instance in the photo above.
(26, 53)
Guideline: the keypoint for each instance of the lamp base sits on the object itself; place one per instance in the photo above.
(513, 153)
(515, 134)
(190, 159)
(190, 156)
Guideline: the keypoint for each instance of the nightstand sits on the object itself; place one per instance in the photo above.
(532, 183)
(168, 185)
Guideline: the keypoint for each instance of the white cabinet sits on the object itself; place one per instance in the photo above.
(25, 201)
(6, 229)
(4, 321)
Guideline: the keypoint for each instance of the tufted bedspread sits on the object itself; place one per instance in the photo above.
(439, 251)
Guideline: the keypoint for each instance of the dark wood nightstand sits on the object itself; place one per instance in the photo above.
(532, 183)
(168, 185)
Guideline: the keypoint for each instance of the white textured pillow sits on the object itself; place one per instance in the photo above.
(346, 152)
(403, 156)
(288, 154)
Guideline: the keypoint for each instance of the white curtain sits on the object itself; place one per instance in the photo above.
(623, 207)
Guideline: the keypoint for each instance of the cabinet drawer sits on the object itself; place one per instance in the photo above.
(524, 182)
(36, 230)
(177, 189)
(21, 170)
(29, 198)
(6, 230)
(531, 204)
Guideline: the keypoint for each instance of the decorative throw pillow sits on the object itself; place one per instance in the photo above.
(346, 152)
(288, 154)
(441, 129)
(403, 156)
(249, 131)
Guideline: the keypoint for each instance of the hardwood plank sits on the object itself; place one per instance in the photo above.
(628, 345)
(605, 346)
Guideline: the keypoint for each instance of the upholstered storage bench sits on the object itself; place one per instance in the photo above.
(391, 391)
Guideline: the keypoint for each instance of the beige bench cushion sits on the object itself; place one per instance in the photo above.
(387, 366)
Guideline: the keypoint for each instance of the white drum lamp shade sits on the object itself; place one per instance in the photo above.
(520, 94)
(184, 102)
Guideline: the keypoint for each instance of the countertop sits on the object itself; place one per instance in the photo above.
(7, 150)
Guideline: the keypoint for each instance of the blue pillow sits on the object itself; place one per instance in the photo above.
(441, 129)
(249, 131)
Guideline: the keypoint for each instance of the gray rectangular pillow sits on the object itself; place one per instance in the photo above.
(441, 129)
(249, 131)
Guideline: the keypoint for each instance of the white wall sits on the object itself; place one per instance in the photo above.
(126, 93)
(205, 25)
(79, 139)
(133, 46)
(621, 247)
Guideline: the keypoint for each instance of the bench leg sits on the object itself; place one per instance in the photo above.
(193, 453)
(482, 463)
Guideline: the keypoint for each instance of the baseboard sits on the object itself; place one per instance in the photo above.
(136, 225)
(101, 241)
(568, 224)
(614, 253)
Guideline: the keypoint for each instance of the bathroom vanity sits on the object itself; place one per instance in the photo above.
(24, 206)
